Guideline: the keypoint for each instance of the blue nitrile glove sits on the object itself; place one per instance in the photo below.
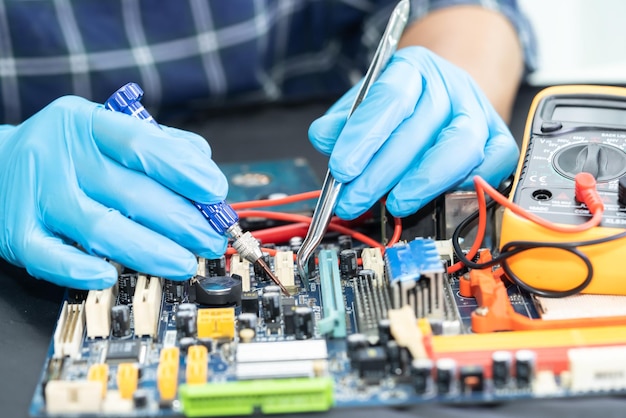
(424, 128)
(76, 173)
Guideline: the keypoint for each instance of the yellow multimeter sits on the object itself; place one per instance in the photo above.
(571, 129)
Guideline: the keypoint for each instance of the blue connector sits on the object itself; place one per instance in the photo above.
(221, 216)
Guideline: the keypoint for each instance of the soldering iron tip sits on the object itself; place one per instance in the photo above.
(271, 275)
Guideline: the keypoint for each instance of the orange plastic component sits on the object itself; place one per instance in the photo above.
(495, 312)
(99, 373)
(197, 368)
(218, 323)
(581, 337)
(465, 288)
(127, 377)
(167, 380)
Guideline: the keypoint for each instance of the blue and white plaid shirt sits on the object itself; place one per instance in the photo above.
(192, 52)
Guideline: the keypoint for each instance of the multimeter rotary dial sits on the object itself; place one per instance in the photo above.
(605, 162)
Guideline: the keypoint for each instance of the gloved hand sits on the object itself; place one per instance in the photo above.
(76, 173)
(424, 128)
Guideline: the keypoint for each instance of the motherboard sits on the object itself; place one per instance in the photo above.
(366, 328)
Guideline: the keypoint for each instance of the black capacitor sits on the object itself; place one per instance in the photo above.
(270, 303)
(348, 264)
(295, 243)
(186, 324)
(344, 241)
(501, 368)
(421, 374)
(216, 266)
(524, 368)
(120, 321)
(304, 324)
(247, 320)
(354, 343)
(446, 375)
(250, 302)
(384, 332)
(175, 291)
(126, 288)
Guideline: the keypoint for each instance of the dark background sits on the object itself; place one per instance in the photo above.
(29, 307)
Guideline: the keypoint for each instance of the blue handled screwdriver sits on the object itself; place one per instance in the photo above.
(221, 216)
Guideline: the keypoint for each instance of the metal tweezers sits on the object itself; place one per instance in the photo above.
(325, 206)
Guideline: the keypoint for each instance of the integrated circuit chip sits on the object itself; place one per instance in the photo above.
(128, 351)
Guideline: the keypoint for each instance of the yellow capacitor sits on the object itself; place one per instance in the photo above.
(127, 377)
(197, 364)
(99, 373)
(218, 323)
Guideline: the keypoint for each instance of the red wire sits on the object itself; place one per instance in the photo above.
(301, 222)
(276, 202)
(289, 217)
(483, 187)
(397, 231)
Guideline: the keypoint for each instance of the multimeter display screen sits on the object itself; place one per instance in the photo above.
(582, 114)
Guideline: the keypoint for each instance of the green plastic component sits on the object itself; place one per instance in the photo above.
(272, 396)
(334, 321)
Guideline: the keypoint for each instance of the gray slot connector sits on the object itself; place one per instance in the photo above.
(334, 321)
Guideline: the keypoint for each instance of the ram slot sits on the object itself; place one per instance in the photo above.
(334, 321)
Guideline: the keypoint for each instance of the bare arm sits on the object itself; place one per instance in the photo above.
(482, 42)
